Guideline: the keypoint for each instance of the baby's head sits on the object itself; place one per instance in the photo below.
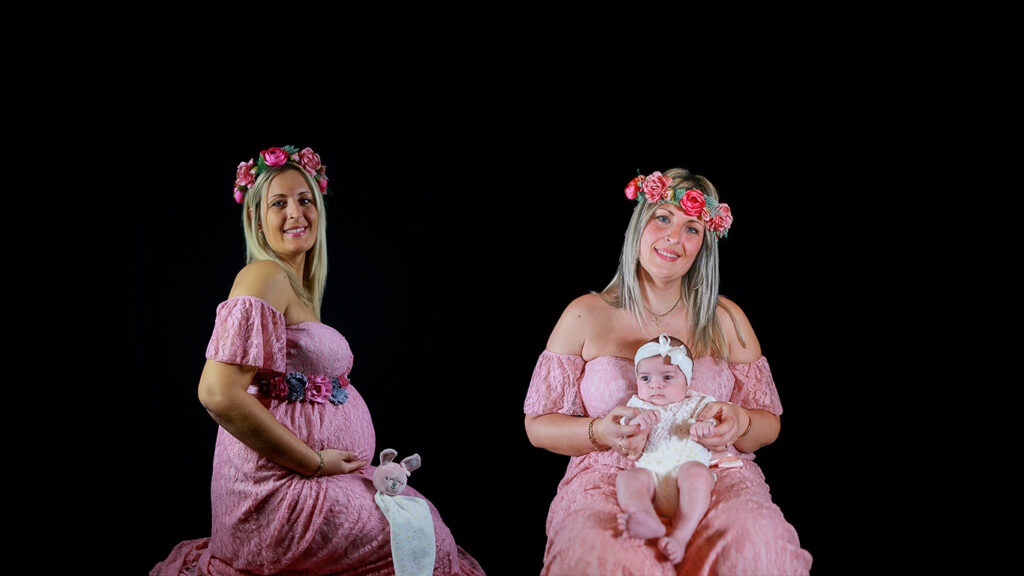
(663, 370)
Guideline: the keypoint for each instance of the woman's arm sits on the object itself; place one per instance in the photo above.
(571, 435)
(764, 429)
(223, 392)
(733, 421)
(747, 430)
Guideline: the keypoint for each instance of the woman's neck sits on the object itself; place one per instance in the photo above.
(660, 296)
(297, 265)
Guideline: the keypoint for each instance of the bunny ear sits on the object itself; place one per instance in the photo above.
(412, 462)
(387, 455)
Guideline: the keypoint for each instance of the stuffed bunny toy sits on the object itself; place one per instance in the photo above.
(390, 477)
(412, 525)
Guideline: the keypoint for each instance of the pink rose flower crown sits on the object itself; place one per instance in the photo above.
(657, 189)
(247, 172)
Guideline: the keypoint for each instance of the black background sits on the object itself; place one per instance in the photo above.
(453, 249)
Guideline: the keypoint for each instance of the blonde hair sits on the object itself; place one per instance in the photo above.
(699, 290)
(309, 288)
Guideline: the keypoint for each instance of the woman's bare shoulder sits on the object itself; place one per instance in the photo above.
(743, 345)
(266, 280)
(578, 320)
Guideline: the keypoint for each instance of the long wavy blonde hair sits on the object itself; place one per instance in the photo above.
(309, 288)
(699, 284)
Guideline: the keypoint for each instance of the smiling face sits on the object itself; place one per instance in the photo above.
(660, 382)
(290, 216)
(670, 242)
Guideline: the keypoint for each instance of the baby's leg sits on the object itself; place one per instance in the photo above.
(695, 482)
(635, 490)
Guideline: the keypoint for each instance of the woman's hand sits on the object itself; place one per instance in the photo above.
(733, 421)
(340, 462)
(628, 440)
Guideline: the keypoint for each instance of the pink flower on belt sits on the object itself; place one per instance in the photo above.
(319, 389)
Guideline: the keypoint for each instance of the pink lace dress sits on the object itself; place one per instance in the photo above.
(268, 519)
(743, 532)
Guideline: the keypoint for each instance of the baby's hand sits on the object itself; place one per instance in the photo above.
(702, 429)
(646, 419)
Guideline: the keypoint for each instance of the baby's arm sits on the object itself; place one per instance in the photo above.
(646, 419)
(702, 429)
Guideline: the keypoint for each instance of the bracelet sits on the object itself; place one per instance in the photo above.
(590, 434)
(319, 468)
(750, 422)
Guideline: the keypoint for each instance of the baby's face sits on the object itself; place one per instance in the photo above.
(659, 381)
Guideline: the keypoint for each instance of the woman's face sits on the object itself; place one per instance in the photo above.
(290, 217)
(670, 242)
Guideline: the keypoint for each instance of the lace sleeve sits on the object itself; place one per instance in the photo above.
(249, 332)
(755, 388)
(555, 386)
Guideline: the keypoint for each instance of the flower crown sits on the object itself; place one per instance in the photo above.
(248, 172)
(658, 190)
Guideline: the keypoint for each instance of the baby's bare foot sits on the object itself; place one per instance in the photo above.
(672, 549)
(640, 525)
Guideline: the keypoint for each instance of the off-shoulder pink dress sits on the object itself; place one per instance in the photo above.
(268, 519)
(743, 532)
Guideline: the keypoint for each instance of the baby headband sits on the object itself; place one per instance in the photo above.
(663, 348)
(657, 189)
(248, 172)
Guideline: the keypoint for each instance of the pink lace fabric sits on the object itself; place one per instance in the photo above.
(270, 520)
(743, 532)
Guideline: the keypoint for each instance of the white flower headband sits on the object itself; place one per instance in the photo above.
(663, 347)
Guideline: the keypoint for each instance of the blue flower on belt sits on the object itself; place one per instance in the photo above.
(296, 382)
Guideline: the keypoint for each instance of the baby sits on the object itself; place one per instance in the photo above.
(672, 477)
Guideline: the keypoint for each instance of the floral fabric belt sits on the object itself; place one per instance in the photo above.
(297, 387)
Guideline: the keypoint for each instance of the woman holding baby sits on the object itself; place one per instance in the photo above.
(667, 282)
